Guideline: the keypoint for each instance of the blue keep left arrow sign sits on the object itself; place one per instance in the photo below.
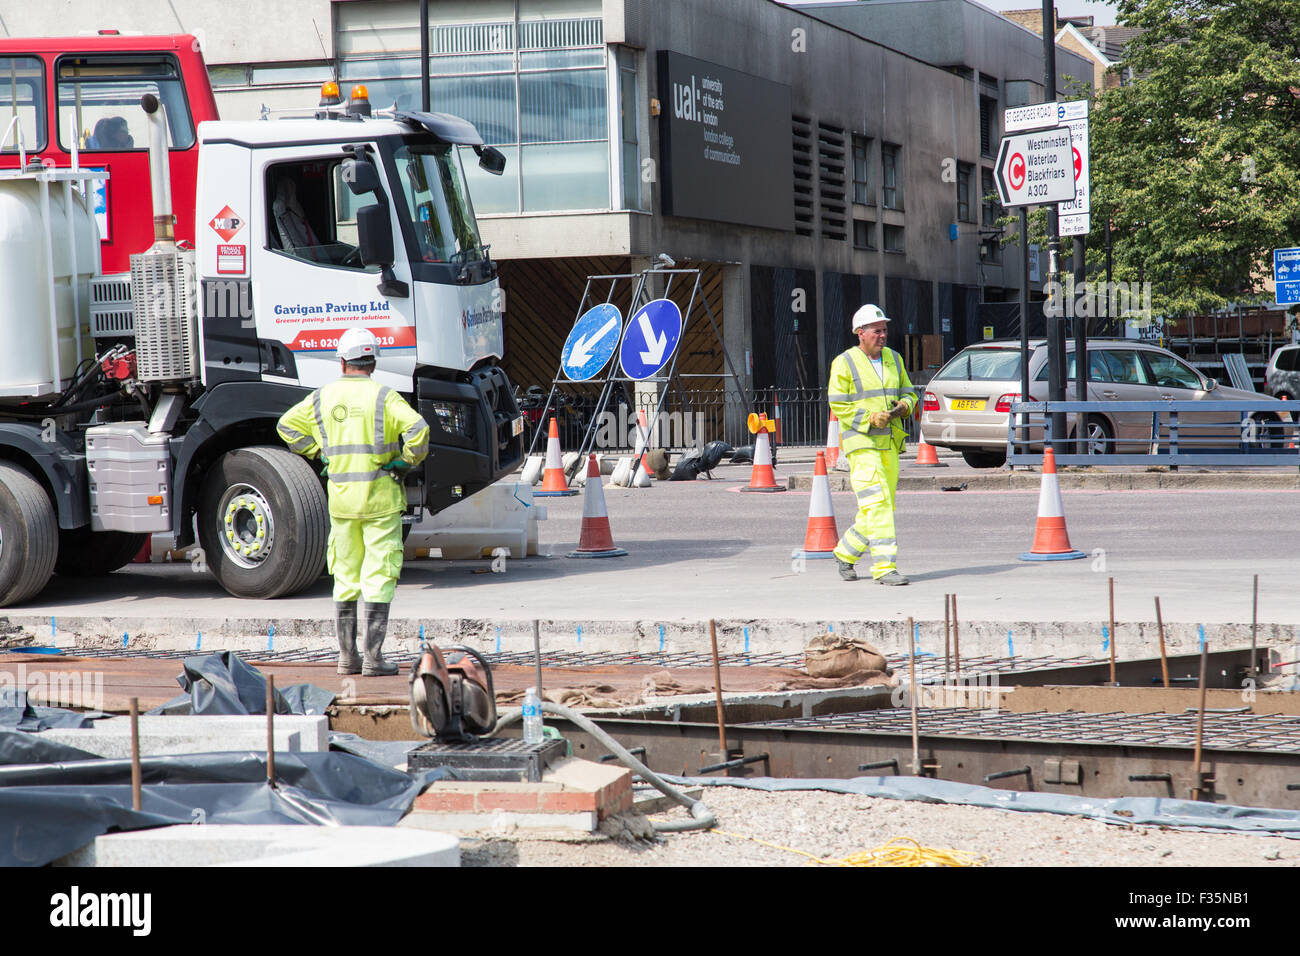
(591, 342)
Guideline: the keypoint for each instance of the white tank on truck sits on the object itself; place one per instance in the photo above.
(49, 250)
(164, 421)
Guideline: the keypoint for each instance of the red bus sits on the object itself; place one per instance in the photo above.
(83, 93)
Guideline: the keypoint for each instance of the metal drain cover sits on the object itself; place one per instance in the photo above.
(492, 758)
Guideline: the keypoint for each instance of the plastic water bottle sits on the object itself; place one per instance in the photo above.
(532, 717)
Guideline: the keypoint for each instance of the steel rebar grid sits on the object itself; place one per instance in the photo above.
(1222, 731)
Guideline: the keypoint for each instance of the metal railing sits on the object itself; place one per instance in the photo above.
(1244, 434)
(691, 418)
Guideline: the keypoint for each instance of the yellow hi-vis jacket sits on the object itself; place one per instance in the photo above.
(356, 425)
(855, 391)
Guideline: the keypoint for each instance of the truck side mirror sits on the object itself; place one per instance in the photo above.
(361, 176)
(375, 242)
(491, 159)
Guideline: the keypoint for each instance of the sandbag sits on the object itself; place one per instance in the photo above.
(832, 655)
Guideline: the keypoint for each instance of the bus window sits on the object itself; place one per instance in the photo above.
(22, 97)
(99, 102)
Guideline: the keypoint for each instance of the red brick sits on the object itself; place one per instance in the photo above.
(570, 802)
(445, 802)
(509, 802)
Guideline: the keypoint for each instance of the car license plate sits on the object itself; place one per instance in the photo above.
(968, 404)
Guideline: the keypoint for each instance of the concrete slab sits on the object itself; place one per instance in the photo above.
(266, 845)
(189, 735)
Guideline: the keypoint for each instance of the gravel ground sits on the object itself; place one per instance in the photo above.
(834, 826)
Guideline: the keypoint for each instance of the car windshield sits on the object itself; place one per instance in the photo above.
(983, 365)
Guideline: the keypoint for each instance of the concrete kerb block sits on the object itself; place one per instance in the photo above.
(268, 845)
(159, 735)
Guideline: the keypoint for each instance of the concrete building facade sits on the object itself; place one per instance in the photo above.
(851, 155)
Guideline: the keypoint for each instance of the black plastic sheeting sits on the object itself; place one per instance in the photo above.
(18, 713)
(222, 683)
(55, 799)
(1122, 811)
(48, 810)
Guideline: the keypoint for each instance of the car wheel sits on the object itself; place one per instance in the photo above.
(1268, 432)
(29, 536)
(1098, 436)
(84, 553)
(263, 522)
(984, 459)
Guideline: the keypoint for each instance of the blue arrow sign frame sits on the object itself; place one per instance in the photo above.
(592, 341)
(655, 327)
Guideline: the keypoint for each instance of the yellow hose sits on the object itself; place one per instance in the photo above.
(900, 851)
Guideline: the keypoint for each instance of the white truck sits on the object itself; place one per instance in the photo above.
(146, 402)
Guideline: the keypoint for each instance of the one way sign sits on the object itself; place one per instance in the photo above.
(1036, 168)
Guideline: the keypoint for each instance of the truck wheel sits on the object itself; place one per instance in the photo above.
(84, 553)
(29, 536)
(263, 522)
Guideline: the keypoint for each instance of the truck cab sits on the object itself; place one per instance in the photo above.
(306, 226)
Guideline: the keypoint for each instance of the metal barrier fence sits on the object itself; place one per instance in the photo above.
(1245, 434)
(691, 418)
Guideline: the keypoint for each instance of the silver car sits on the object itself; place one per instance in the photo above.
(966, 404)
(1282, 378)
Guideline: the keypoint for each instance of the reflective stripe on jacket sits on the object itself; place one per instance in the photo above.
(855, 391)
(358, 425)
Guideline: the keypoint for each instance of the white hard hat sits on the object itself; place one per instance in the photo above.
(358, 344)
(866, 315)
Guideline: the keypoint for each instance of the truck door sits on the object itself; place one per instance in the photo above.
(309, 284)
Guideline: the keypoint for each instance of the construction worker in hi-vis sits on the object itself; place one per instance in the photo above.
(870, 394)
(368, 438)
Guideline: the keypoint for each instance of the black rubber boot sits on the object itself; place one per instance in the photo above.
(374, 618)
(345, 630)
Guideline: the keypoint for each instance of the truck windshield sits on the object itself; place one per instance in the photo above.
(442, 219)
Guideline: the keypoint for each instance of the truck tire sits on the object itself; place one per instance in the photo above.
(29, 536)
(84, 553)
(263, 522)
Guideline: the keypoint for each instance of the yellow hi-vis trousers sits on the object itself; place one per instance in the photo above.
(874, 477)
(365, 557)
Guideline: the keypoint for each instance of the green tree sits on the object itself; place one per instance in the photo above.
(1196, 161)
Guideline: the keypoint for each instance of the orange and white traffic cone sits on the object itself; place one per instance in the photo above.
(595, 539)
(762, 478)
(554, 484)
(1051, 542)
(821, 537)
(926, 455)
(833, 442)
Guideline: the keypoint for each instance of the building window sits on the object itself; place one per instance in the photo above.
(893, 238)
(864, 234)
(965, 173)
(862, 171)
(988, 126)
(891, 176)
(992, 208)
(535, 85)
